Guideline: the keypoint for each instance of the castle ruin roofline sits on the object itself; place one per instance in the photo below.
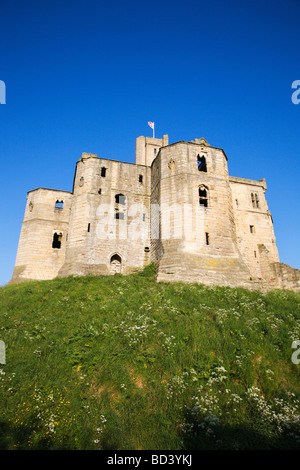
(262, 182)
(111, 160)
(86, 155)
(49, 189)
(192, 143)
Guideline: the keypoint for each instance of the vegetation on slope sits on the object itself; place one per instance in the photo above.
(123, 362)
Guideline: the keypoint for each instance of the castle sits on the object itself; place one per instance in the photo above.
(175, 206)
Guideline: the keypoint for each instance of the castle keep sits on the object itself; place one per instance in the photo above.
(176, 206)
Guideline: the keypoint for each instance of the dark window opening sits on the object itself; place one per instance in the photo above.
(155, 151)
(89, 228)
(56, 243)
(203, 199)
(207, 238)
(254, 254)
(140, 178)
(103, 172)
(252, 229)
(144, 217)
(99, 191)
(120, 199)
(119, 215)
(202, 163)
(116, 258)
(236, 202)
(254, 200)
(59, 204)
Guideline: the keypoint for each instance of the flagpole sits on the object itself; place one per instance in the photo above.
(152, 125)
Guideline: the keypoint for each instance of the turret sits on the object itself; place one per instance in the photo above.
(146, 149)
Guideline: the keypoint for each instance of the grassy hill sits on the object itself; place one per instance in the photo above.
(127, 363)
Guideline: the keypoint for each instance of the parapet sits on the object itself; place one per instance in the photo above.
(261, 182)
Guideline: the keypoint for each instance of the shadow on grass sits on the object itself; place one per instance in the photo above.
(238, 437)
(19, 438)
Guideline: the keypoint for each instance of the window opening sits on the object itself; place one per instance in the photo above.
(119, 215)
(203, 199)
(254, 200)
(59, 204)
(202, 163)
(56, 242)
(103, 172)
(120, 199)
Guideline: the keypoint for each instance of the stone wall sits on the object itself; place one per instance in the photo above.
(253, 222)
(286, 277)
(176, 206)
(36, 257)
(198, 241)
(96, 235)
(147, 148)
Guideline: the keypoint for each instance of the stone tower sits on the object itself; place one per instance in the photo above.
(175, 206)
(197, 238)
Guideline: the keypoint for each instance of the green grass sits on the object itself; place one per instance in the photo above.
(123, 362)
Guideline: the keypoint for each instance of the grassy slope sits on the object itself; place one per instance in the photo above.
(127, 363)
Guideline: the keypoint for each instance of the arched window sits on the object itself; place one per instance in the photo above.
(201, 163)
(203, 196)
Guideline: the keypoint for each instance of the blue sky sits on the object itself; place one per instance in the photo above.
(87, 76)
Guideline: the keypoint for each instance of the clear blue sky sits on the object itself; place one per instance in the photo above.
(87, 76)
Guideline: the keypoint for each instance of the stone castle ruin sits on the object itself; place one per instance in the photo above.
(176, 206)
